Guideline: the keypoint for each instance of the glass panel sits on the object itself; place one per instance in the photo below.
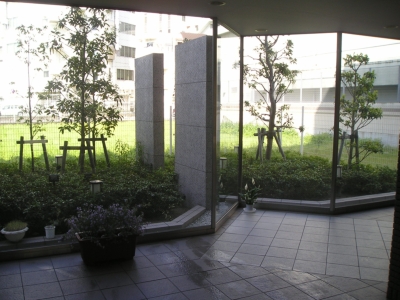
(369, 155)
(299, 108)
(227, 119)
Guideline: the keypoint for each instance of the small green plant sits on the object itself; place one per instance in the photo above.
(250, 195)
(15, 225)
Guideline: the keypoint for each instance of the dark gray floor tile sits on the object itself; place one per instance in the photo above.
(342, 233)
(253, 249)
(177, 296)
(372, 252)
(112, 280)
(368, 235)
(311, 255)
(225, 246)
(370, 243)
(104, 268)
(345, 284)
(309, 266)
(342, 226)
(190, 254)
(249, 259)
(341, 297)
(318, 289)
(340, 240)
(245, 271)
(294, 221)
(219, 255)
(191, 281)
(342, 259)
(342, 249)
(35, 264)
(269, 226)
(274, 263)
(282, 252)
(137, 262)
(291, 228)
(313, 246)
(205, 293)
(317, 224)
(41, 291)
(7, 268)
(258, 240)
(372, 262)
(10, 281)
(96, 295)
(146, 274)
(157, 288)
(342, 270)
(44, 276)
(367, 228)
(163, 258)
(149, 249)
(238, 230)
(72, 272)
(263, 232)
(231, 237)
(374, 274)
(365, 222)
(283, 243)
(317, 238)
(341, 220)
(223, 275)
(238, 289)
(316, 230)
(268, 282)
(257, 297)
(67, 260)
(127, 292)
(368, 293)
(383, 286)
(289, 293)
(240, 223)
(77, 286)
(12, 294)
(295, 277)
(288, 235)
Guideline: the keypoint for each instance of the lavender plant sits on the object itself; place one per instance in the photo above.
(93, 222)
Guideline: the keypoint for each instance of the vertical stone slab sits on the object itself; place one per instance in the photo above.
(149, 107)
(193, 120)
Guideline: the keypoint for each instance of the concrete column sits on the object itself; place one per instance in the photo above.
(193, 120)
(149, 107)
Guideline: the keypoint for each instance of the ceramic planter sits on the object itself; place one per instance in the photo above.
(249, 208)
(50, 231)
(14, 236)
(122, 248)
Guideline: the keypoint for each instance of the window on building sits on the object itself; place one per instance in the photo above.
(124, 74)
(126, 51)
(127, 28)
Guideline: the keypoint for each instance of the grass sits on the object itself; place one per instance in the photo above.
(313, 145)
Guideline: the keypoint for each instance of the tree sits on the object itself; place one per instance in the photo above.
(358, 111)
(33, 53)
(86, 40)
(272, 65)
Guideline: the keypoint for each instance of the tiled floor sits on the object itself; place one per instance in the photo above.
(264, 255)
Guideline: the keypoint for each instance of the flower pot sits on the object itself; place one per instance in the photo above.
(249, 208)
(107, 249)
(50, 231)
(14, 236)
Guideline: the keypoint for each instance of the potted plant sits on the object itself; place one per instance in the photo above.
(50, 230)
(15, 230)
(250, 196)
(105, 233)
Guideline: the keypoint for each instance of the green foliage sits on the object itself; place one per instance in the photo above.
(31, 197)
(272, 65)
(15, 225)
(84, 83)
(358, 111)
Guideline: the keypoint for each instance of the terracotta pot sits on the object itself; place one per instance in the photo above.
(122, 248)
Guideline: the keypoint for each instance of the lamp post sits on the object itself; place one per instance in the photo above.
(59, 160)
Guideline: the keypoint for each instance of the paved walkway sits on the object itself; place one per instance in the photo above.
(265, 255)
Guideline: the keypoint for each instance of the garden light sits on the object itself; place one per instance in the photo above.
(339, 171)
(223, 162)
(96, 186)
(59, 159)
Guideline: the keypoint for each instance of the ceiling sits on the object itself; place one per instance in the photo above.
(364, 17)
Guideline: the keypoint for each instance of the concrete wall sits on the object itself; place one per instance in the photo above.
(193, 119)
(149, 107)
